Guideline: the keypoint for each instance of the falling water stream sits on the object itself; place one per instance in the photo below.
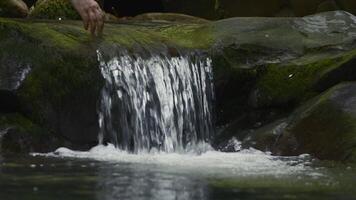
(160, 102)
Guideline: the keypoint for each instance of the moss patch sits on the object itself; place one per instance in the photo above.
(54, 9)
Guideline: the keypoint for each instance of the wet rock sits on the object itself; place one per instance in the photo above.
(325, 127)
(258, 69)
(20, 135)
(168, 17)
(328, 5)
(13, 8)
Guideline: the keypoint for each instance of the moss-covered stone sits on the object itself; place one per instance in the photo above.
(326, 126)
(54, 9)
(285, 84)
(20, 135)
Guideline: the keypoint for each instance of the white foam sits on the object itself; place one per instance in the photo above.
(244, 163)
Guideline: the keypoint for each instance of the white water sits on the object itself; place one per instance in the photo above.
(241, 164)
(163, 106)
(159, 102)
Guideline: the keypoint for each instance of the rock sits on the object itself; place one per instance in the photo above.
(110, 18)
(347, 5)
(168, 17)
(328, 5)
(20, 135)
(325, 127)
(257, 69)
(54, 9)
(13, 8)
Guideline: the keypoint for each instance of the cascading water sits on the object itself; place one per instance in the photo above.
(156, 103)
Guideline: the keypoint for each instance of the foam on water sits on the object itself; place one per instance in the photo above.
(249, 162)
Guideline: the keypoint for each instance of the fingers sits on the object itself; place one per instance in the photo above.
(92, 22)
(85, 18)
(96, 20)
(100, 21)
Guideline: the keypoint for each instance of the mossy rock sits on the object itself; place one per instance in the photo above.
(13, 8)
(54, 9)
(19, 135)
(291, 83)
(326, 126)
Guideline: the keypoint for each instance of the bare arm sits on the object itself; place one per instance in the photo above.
(91, 14)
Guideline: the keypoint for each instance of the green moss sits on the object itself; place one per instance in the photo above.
(16, 120)
(324, 129)
(293, 82)
(44, 34)
(54, 9)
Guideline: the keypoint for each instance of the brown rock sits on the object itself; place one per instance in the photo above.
(13, 8)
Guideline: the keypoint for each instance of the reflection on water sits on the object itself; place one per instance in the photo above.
(132, 177)
(134, 182)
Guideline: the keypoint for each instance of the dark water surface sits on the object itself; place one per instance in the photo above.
(38, 177)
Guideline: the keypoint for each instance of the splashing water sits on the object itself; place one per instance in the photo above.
(160, 103)
(160, 108)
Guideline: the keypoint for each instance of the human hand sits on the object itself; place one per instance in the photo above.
(91, 14)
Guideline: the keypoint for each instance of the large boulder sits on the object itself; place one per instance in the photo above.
(13, 8)
(324, 127)
(270, 65)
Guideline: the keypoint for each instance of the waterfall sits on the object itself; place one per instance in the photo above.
(156, 102)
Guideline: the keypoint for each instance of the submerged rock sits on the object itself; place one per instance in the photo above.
(13, 8)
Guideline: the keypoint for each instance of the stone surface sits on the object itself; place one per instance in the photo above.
(169, 17)
(325, 127)
(13, 8)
